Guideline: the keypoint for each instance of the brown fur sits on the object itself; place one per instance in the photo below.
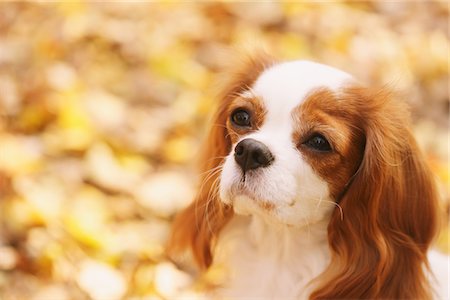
(257, 115)
(379, 248)
(197, 227)
(377, 176)
(323, 113)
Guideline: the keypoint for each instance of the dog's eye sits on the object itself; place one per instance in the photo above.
(319, 143)
(241, 117)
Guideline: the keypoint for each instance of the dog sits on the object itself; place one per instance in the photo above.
(313, 187)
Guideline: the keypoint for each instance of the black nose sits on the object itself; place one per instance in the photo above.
(251, 154)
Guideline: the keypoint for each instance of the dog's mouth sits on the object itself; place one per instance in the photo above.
(239, 188)
(241, 192)
(247, 176)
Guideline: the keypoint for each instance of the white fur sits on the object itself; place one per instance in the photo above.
(299, 195)
(440, 276)
(285, 86)
(275, 254)
(266, 261)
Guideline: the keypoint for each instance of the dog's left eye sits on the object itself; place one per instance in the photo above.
(319, 143)
(241, 117)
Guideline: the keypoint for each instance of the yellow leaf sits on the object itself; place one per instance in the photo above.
(74, 129)
(21, 214)
(179, 149)
(443, 241)
(19, 155)
(73, 7)
(292, 46)
(87, 217)
(101, 281)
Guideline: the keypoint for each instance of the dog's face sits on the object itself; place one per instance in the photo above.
(294, 148)
(300, 142)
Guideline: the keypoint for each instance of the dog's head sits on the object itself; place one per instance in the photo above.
(294, 144)
(300, 142)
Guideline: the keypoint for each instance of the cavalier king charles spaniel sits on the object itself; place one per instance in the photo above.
(313, 187)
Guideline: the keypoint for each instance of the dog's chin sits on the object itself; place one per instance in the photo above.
(235, 192)
(246, 202)
(242, 199)
(244, 205)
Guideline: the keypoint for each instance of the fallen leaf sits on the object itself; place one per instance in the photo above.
(101, 281)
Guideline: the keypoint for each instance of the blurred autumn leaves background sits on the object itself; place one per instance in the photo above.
(104, 106)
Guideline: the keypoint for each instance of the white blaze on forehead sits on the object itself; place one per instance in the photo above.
(284, 86)
(289, 183)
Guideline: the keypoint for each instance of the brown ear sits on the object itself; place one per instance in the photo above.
(389, 211)
(198, 225)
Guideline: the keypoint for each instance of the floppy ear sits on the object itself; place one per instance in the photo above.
(389, 211)
(198, 225)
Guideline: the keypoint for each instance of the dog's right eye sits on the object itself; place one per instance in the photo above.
(241, 118)
(319, 143)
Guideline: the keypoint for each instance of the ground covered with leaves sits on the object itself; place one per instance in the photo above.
(104, 106)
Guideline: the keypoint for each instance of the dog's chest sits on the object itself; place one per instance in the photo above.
(267, 262)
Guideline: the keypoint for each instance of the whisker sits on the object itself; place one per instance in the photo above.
(210, 170)
(219, 125)
(211, 173)
(208, 202)
(215, 158)
(213, 187)
(341, 211)
(213, 176)
(318, 204)
(308, 226)
(230, 133)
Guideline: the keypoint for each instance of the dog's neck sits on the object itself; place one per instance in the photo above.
(269, 260)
